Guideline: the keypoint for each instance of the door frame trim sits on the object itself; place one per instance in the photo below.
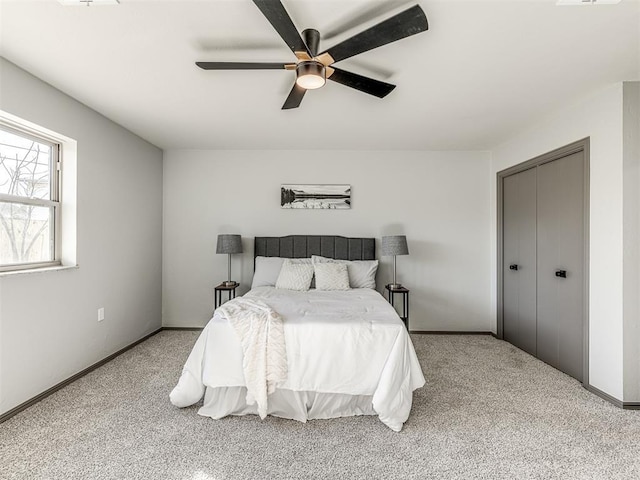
(575, 147)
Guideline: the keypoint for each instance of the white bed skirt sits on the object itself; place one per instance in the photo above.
(302, 406)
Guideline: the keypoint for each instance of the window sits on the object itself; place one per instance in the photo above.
(29, 200)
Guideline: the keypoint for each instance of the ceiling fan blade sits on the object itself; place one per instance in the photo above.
(295, 97)
(364, 84)
(281, 21)
(241, 66)
(402, 25)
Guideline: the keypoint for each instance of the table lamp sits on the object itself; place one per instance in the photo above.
(229, 244)
(391, 246)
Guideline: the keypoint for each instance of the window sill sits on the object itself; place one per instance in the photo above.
(32, 271)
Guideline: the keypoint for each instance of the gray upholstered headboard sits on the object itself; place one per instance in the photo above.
(303, 246)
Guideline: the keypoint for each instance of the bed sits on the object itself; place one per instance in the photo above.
(347, 351)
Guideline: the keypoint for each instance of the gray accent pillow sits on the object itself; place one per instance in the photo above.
(362, 273)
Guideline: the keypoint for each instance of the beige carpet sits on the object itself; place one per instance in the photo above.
(489, 411)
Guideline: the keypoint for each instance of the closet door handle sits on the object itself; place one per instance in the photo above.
(561, 273)
(513, 266)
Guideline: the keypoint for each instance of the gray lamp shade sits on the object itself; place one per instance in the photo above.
(229, 244)
(394, 245)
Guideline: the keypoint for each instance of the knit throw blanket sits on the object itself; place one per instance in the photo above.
(261, 334)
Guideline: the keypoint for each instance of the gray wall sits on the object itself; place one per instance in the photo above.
(440, 200)
(631, 247)
(48, 321)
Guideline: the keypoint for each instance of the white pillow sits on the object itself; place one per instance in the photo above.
(268, 269)
(295, 276)
(362, 273)
(331, 276)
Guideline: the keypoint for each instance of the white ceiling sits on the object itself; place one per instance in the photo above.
(483, 71)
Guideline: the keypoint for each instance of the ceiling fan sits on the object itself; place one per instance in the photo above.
(313, 68)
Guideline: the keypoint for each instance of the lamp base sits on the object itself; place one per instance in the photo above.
(394, 286)
(229, 283)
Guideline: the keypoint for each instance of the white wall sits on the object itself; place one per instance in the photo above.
(631, 246)
(440, 200)
(48, 321)
(600, 118)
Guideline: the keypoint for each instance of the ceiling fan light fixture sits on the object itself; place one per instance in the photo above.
(312, 67)
(310, 75)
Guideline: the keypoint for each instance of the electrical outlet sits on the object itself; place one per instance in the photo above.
(101, 314)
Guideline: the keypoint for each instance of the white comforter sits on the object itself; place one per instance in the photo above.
(346, 342)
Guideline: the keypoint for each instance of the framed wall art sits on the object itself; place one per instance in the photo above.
(336, 197)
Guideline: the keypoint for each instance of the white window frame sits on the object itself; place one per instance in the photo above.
(55, 169)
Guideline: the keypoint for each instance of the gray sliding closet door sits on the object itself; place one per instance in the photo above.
(519, 266)
(560, 260)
